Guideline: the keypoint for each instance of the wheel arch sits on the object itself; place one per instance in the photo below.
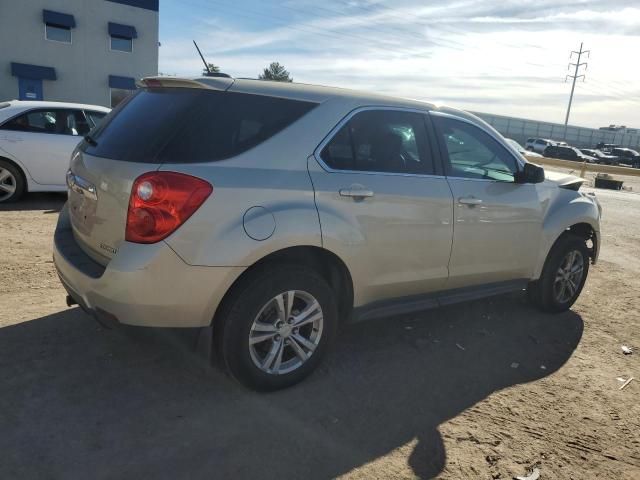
(326, 263)
(585, 228)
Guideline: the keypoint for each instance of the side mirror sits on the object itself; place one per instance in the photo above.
(531, 173)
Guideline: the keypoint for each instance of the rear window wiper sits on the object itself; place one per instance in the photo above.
(90, 140)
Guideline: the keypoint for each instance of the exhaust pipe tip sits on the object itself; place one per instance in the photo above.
(70, 301)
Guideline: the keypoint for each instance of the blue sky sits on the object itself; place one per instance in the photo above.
(499, 56)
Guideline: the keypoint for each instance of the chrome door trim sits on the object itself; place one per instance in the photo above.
(349, 116)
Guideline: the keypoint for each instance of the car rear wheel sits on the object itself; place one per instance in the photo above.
(11, 182)
(276, 327)
(563, 275)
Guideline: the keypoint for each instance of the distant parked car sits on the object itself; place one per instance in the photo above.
(36, 141)
(606, 147)
(521, 149)
(628, 156)
(567, 153)
(600, 156)
(539, 144)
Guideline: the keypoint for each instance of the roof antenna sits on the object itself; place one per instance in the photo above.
(206, 65)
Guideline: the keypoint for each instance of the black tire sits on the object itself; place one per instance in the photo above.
(17, 181)
(541, 292)
(231, 334)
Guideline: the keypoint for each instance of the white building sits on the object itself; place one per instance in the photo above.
(84, 51)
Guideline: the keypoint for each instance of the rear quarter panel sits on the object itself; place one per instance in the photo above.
(216, 235)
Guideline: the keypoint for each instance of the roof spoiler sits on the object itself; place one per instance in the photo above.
(210, 82)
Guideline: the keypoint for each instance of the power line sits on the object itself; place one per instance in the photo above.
(575, 76)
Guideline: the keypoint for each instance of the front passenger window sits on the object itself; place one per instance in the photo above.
(380, 141)
(473, 153)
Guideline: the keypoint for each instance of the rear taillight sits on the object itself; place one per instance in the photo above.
(162, 201)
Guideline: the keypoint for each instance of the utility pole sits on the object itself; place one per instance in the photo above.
(575, 76)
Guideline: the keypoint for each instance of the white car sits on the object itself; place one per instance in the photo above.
(538, 145)
(36, 141)
(521, 150)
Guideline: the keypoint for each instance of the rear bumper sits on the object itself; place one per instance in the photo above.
(144, 285)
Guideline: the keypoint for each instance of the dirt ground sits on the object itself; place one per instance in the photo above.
(487, 389)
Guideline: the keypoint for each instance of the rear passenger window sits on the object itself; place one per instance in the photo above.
(380, 141)
(62, 122)
(185, 125)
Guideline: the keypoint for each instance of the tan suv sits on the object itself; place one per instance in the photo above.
(273, 212)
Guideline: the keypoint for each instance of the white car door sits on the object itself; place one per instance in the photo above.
(42, 140)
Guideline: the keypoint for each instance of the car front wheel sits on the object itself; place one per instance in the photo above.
(563, 275)
(276, 327)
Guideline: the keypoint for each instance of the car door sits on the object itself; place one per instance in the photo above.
(384, 206)
(570, 154)
(497, 229)
(42, 140)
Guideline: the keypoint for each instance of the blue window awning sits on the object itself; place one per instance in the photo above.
(58, 19)
(35, 72)
(123, 31)
(126, 83)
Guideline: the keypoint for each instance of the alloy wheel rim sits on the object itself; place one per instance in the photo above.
(286, 332)
(569, 276)
(7, 184)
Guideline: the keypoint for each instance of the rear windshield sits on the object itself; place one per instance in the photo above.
(179, 125)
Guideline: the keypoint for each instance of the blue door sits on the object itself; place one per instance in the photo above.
(29, 89)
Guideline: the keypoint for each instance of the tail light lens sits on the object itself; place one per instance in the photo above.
(160, 202)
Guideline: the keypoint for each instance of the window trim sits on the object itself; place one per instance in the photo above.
(70, 42)
(519, 161)
(333, 132)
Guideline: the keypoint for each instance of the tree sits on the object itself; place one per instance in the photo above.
(212, 67)
(275, 72)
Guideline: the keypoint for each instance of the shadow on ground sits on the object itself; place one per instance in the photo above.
(77, 401)
(50, 202)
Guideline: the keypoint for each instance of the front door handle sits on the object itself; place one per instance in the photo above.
(356, 193)
(471, 201)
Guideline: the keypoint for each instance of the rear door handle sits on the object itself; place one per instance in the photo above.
(356, 193)
(471, 201)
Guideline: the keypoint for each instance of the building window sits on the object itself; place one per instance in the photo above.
(122, 37)
(58, 34)
(57, 26)
(118, 95)
(121, 44)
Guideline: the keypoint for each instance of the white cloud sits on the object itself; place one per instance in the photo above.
(504, 58)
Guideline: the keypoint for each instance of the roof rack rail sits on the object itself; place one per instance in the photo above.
(217, 74)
